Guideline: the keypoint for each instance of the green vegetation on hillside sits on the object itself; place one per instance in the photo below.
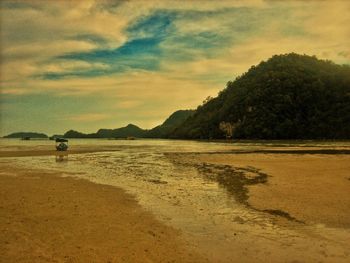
(127, 131)
(168, 126)
(76, 134)
(287, 97)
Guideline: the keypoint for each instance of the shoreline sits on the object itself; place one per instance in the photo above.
(313, 170)
(48, 218)
(277, 150)
(46, 152)
(285, 190)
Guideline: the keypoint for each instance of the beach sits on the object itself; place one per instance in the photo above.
(47, 218)
(174, 131)
(173, 201)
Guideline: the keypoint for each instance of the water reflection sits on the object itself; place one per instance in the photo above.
(61, 157)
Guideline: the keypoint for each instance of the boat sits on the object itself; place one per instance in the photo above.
(61, 144)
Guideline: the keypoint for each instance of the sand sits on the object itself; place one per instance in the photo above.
(312, 188)
(47, 218)
(48, 152)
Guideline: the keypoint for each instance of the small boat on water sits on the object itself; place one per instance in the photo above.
(61, 144)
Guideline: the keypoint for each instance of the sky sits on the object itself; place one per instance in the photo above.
(93, 64)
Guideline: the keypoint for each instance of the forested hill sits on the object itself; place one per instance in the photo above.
(287, 97)
(161, 131)
(129, 130)
(168, 126)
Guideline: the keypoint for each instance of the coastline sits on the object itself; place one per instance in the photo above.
(49, 151)
(48, 218)
(311, 185)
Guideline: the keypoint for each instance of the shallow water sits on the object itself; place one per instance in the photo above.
(182, 196)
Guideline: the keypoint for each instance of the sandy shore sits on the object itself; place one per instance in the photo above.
(49, 152)
(312, 188)
(47, 218)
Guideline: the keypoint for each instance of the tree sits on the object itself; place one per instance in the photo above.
(207, 99)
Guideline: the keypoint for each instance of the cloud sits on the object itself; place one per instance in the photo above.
(164, 35)
(134, 54)
(178, 36)
(87, 117)
(139, 62)
(141, 52)
(128, 104)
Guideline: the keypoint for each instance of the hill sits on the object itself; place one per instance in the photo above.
(26, 134)
(127, 131)
(289, 96)
(131, 130)
(168, 126)
(76, 134)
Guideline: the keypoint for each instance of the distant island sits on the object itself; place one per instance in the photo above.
(26, 135)
(131, 130)
(289, 96)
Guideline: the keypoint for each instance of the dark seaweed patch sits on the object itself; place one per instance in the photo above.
(281, 213)
(157, 181)
(233, 179)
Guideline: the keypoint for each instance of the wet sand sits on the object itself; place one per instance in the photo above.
(311, 188)
(48, 152)
(47, 218)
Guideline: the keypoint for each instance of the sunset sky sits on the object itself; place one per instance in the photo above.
(86, 65)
